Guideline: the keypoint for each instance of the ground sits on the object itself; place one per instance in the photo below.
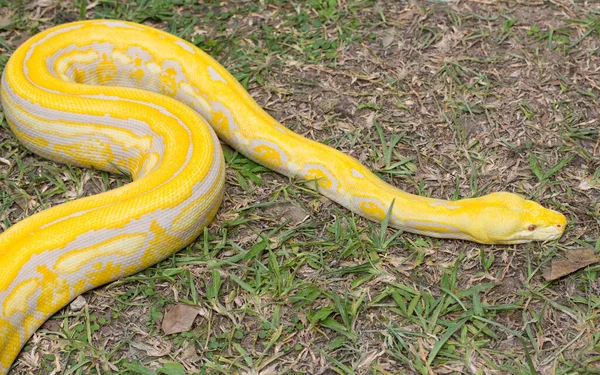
(449, 99)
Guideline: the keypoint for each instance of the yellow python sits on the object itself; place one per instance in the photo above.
(119, 96)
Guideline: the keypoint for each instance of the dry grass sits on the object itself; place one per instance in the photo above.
(448, 99)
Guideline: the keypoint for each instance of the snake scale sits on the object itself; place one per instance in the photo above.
(121, 96)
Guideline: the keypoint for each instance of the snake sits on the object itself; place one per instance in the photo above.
(127, 98)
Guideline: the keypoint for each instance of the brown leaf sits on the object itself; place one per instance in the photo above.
(189, 353)
(576, 259)
(179, 319)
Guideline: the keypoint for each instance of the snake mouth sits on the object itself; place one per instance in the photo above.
(552, 233)
(548, 233)
(544, 234)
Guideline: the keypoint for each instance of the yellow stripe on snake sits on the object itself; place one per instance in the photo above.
(119, 96)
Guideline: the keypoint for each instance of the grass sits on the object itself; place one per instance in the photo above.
(450, 101)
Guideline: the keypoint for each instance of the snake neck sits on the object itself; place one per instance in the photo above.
(443, 218)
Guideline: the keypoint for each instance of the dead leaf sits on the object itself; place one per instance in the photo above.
(271, 370)
(153, 348)
(576, 259)
(92, 5)
(189, 353)
(387, 41)
(367, 360)
(51, 325)
(45, 3)
(179, 319)
(588, 184)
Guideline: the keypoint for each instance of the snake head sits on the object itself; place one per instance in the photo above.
(507, 218)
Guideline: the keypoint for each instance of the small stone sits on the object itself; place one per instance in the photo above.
(78, 303)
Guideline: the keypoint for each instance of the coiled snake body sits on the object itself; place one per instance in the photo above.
(120, 96)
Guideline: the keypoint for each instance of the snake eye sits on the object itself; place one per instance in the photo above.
(531, 227)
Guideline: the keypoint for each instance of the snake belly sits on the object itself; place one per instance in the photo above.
(124, 97)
